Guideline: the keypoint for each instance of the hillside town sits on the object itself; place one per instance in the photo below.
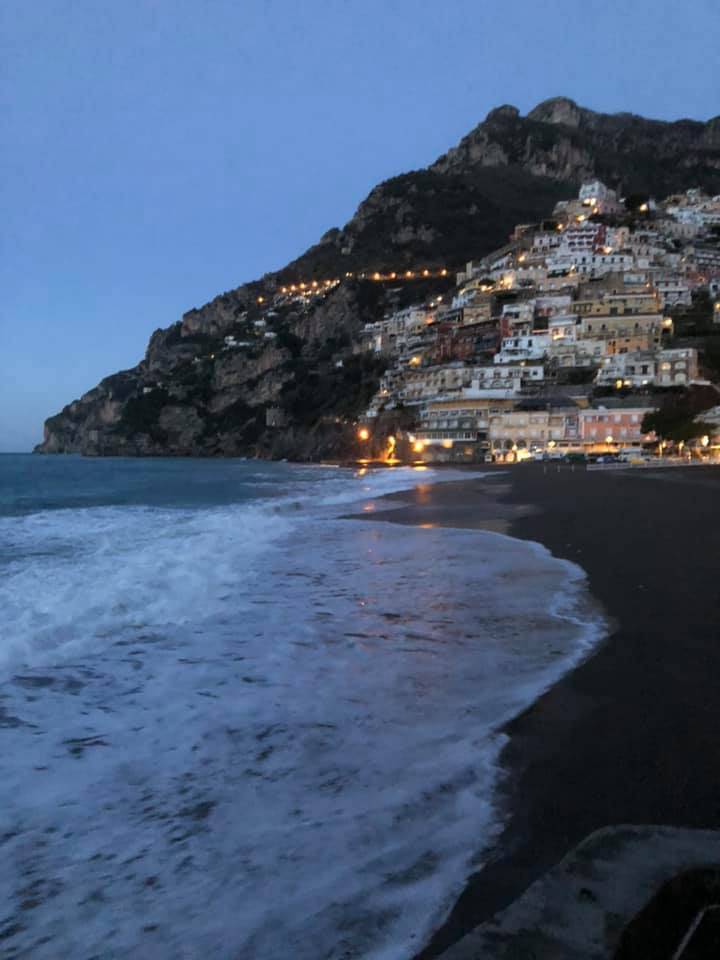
(569, 341)
(562, 340)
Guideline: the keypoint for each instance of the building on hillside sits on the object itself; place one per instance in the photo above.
(606, 327)
(426, 383)
(673, 292)
(598, 198)
(567, 353)
(552, 306)
(701, 259)
(465, 342)
(637, 342)
(517, 318)
(635, 283)
(516, 349)
(515, 377)
(676, 368)
(594, 264)
(563, 327)
(474, 311)
(637, 369)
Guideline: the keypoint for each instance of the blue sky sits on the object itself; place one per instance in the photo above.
(155, 153)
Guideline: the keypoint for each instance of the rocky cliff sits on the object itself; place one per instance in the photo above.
(288, 383)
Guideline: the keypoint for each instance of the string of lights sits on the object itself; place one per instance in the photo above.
(310, 287)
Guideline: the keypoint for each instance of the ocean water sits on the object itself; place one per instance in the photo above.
(237, 725)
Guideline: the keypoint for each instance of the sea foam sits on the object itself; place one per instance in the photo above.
(260, 731)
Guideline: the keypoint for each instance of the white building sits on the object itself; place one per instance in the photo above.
(598, 198)
(509, 376)
(673, 292)
(528, 347)
(563, 327)
(636, 369)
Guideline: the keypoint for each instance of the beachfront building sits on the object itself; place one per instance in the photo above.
(459, 425)
(613, 425)
(532, 431)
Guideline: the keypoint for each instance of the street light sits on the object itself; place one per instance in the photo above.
(363, 433)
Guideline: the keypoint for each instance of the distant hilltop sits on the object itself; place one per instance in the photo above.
(263, 370)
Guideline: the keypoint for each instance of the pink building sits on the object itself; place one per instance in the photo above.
(619, 426)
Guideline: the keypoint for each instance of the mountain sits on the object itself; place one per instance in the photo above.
(296, 386)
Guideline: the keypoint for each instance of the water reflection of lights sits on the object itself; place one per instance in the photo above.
(423, 492)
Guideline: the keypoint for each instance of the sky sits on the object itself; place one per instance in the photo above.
(155, 153)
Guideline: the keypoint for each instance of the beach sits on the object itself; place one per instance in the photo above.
(629, 736)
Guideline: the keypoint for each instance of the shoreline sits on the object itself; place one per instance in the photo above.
(626, 736)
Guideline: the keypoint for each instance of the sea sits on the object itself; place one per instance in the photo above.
(238, 722)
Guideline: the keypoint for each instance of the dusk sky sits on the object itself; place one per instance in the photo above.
(158, 152)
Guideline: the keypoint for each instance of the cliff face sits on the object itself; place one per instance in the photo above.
(289, 384)
(560, 140)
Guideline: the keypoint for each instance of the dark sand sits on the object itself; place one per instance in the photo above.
(632, 735)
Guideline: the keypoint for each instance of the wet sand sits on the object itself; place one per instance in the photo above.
(631, 735)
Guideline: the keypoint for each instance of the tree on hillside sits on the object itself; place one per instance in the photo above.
(676, 419)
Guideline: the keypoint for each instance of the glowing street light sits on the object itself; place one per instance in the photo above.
(705, 440)
(363, 433)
